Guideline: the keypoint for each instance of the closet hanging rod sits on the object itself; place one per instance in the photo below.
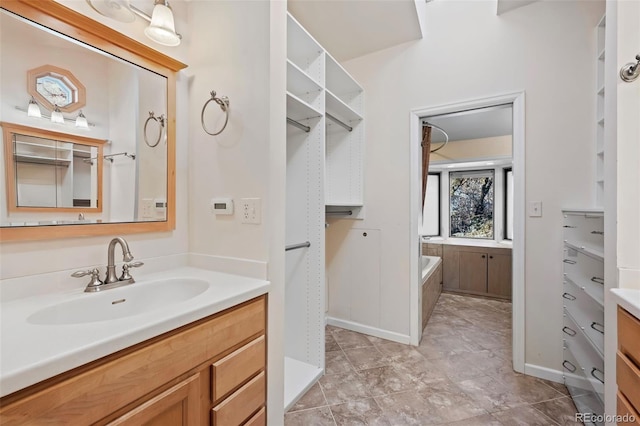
(332, 118)
(297, 246)
(341, 213)
(300, 126)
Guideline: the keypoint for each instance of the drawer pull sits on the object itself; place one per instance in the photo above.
(569, 331)
(597, 232)
(568, 296)
(594, 325)
(569, 226)
(569, 261)
(566, 364)
(593, 370)
(598, 280)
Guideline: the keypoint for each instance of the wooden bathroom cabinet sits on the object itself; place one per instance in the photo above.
(211, 371)
(477, 270)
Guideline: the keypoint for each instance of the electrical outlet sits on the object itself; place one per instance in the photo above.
(251, 210)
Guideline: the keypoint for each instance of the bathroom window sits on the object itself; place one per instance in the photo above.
(471, 204)
(431, 208)
(508, 202)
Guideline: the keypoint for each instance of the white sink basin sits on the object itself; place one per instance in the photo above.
(121, 302)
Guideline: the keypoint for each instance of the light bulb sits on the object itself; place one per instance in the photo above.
(34, 109)
(81, 121)
(56, 116)
(162, 29)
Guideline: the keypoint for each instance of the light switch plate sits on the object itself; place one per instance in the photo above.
(535, 209)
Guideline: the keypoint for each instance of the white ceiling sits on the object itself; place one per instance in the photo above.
(473, 124)
(348, 29)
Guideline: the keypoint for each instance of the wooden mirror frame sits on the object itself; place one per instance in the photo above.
(10, 129)
(60, 18)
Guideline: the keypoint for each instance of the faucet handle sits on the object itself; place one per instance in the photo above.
(95, 280)
(125, 271)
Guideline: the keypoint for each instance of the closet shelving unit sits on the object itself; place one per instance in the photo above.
(324, 171)
(600, 122)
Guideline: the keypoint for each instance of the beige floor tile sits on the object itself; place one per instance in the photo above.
(408, 408)
(561, 410)
(343, 387)
(484, 420)
(315, 417)
(530, 389)
(365, 358)
(314, 398)
(450, 402)
(362, 412)
(523, 416)
(386, 380)
(336, 362)
(330, 343)
(397, 353)
(491, 394)
(348, 339)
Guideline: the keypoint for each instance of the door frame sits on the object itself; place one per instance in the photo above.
(516, 99)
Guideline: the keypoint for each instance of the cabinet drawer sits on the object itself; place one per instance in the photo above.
(627, 411)
(258, 419)
(586, 272)
(586, 312)
(237, 367)
(629, 335)
(628, 378)
(241, 404)
(584, 229)
(585, 354)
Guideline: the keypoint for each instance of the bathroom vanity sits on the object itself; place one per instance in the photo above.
(194, 362)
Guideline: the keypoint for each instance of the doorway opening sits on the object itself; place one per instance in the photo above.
(474, 210)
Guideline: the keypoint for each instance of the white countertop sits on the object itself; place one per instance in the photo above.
(30, 353)
(628, 298)
(468, 242)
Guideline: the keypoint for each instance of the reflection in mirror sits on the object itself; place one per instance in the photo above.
(49, 180)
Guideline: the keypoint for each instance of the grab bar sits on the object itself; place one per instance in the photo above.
(297, 246)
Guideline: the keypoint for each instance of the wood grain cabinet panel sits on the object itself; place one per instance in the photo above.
(629, 335)
(450, 268)
(237, 367)
(626, 410)
(258, 419)
(473, 272)
(628, 363)
(238, 407)
(165, 377)
(499, 275)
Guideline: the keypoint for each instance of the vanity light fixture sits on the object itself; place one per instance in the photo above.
(81, 121)
(34, 109)
(56, 116)
(162, 28)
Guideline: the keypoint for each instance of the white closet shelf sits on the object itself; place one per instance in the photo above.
(41, 145)
(297, 109)
(336, 107)
(598, 298)
(338, 80)
(22, 158)
(298, 81)
(343, 204)
(589, 251)
(298, 378)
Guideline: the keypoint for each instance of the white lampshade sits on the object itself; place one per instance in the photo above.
(34, 109)
(81, 121)
(162, 29)
(56, 116)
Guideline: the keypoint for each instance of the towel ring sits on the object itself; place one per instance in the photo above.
(223, 102)
(160, 120)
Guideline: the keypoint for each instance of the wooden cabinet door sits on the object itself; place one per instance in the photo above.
(473, 271)
(499, 275)
(177, 406)
(450, 267)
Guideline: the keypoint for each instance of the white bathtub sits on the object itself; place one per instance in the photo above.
(429, 264)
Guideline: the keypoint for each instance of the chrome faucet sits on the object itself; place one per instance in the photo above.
(111, 265)
(111, 280)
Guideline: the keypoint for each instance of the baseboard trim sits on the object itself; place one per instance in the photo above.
(372, 331)
(543, 373)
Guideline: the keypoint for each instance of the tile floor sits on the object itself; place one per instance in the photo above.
(459, 375)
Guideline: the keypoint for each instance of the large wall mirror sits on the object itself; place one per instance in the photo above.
(96, 164)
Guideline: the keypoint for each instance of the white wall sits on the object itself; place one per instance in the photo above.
(235, 55)
(467, 53)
